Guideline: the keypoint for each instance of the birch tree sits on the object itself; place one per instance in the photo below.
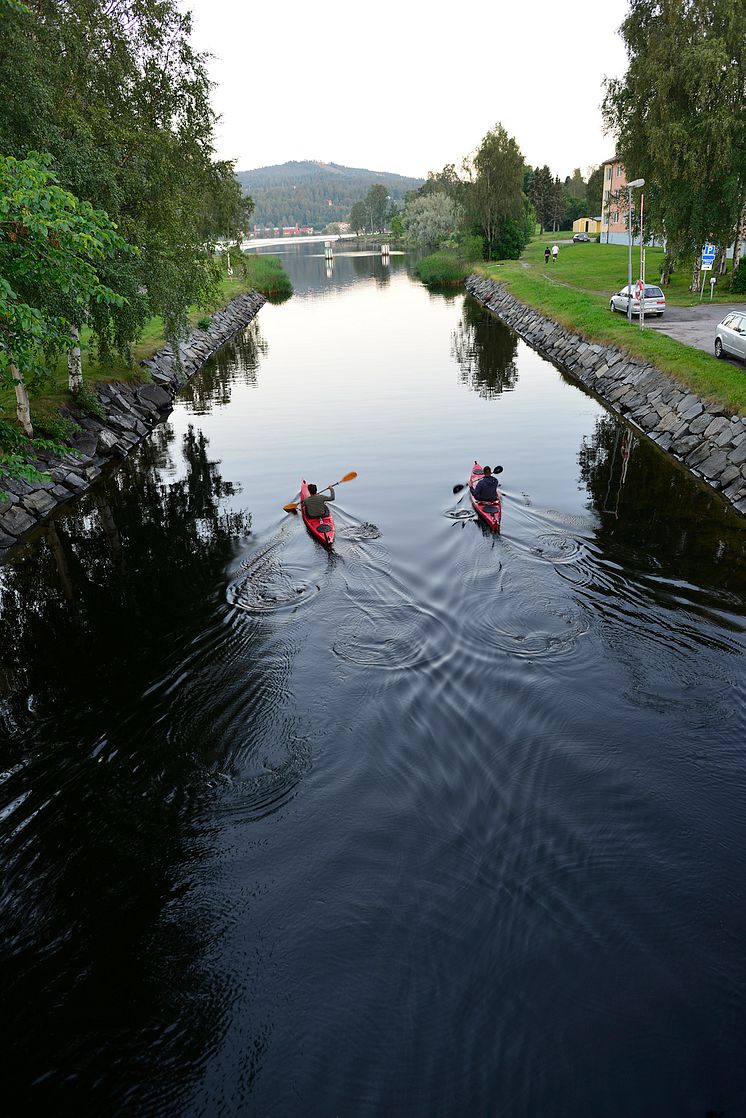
(50, 244)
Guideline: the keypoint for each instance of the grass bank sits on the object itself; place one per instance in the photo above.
(575, 292)
(254, 272)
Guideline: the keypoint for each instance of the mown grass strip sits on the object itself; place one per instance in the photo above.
(589, 315)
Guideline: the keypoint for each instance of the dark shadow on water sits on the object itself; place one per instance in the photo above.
(114, 641)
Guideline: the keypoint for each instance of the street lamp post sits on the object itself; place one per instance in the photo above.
(630, 185)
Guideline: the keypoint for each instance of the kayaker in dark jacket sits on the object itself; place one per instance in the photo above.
(486, 488)
(315, 502)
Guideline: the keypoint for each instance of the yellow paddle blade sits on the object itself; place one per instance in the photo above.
(291, 508)
(348, 477)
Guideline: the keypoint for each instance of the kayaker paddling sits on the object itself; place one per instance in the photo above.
(486, 487)
(315, 502)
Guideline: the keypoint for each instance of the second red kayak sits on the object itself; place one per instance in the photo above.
(490, 512)
(321, 528)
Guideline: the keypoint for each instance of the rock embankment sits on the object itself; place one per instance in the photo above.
(703, 436)
(128, 413)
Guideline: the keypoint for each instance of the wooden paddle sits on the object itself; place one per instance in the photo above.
(458, 488)
(348, 477)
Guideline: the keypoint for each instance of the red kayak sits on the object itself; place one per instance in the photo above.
(321, 528)
(488, 511)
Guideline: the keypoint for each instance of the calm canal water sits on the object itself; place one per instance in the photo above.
(439, 824)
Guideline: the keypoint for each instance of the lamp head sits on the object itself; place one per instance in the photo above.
(636, 182)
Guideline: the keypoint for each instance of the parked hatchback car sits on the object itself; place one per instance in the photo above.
(580, 237)
(655, 300)
(730, 336)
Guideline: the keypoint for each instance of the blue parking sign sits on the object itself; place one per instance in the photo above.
(708, 257)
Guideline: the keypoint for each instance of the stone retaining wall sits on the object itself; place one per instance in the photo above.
(703, 436)
(130, 412)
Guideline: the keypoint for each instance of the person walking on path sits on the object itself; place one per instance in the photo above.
(555, 253)
(546, 256)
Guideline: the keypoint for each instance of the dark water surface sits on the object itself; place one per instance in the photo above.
(439, 824)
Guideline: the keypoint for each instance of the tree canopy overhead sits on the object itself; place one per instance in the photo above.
(679, 115)
(119, 97)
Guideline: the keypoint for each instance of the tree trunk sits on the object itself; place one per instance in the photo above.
(740, 237)
(74, 364)
(721, 262)
(23, 411)
(696, 273)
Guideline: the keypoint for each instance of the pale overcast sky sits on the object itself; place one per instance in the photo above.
(408, 87)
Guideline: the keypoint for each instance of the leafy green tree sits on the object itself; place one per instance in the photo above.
(594, 192)
(397, 225)
(377, 204)
(542, 196)
(678, 114)
(575, 185)
(496, 171)
(50, 245)
(119, 97)
(358, 217)
(432, 220)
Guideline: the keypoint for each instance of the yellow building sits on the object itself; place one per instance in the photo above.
(586, 225)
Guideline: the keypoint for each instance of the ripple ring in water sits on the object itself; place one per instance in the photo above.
(393, 636)
(535, 629)
(276, 590)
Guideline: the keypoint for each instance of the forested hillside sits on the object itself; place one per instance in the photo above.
(314, 193)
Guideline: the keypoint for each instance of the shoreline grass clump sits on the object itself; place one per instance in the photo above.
(266, 274)
(443, 269)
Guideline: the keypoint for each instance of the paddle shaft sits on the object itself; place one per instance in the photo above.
(348, 477)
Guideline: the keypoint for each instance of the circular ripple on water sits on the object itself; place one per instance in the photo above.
(358, 533)
(529, 627)
(460, 514)
(555, 548)
(393, 636)
(272, 590)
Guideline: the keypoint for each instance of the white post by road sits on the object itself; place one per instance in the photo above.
(630, 185)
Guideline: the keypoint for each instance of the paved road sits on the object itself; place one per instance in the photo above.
(694, 325)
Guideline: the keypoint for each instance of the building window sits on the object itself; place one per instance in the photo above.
(608, 171)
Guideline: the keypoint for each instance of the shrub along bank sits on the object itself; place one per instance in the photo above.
(443, 269)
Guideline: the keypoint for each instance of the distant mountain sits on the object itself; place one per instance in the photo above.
(314, 193)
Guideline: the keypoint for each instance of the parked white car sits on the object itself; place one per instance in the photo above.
(655, 300)
(730, 336)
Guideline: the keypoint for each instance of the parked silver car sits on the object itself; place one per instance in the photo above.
(655, 300)
(730, 336)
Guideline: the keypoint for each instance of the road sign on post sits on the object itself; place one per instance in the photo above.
(708, 257)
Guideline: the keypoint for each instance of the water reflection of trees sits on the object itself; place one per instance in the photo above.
(649, 507)
(485, 351)
(102, 967)
(237, 362)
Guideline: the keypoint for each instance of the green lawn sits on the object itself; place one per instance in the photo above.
(603, 268)
(565, 292)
